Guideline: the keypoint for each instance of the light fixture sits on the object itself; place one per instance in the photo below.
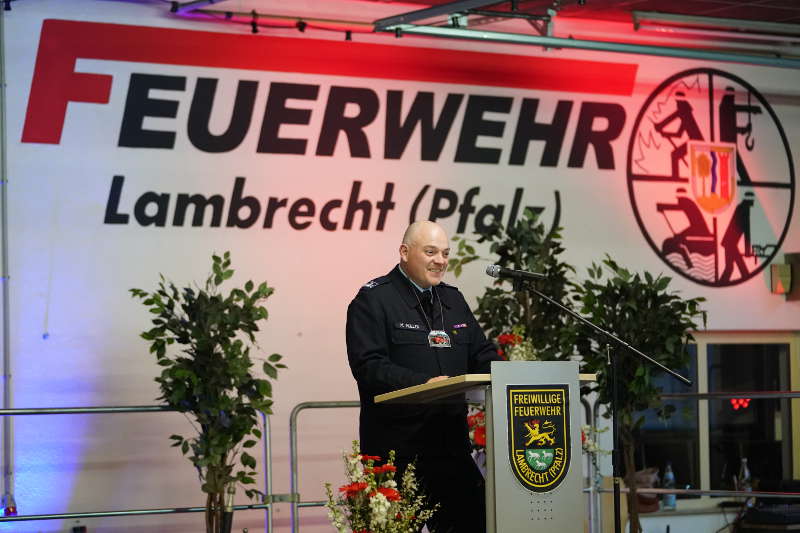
(780, 279)
(793, 260)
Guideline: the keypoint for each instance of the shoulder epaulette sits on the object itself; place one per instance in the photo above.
(371, 284)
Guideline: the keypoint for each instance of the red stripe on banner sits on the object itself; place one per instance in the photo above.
(55, 82)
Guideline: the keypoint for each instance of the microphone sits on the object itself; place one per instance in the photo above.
(496, 271)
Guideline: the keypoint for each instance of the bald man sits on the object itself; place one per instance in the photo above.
(407, 328)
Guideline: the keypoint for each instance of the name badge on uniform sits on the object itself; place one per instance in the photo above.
(438, 339)
(408, 325)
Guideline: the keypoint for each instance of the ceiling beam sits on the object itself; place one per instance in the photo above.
(599, 46)
(716, 23)
(429, 12)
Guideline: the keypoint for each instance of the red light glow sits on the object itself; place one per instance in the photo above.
(738, 403)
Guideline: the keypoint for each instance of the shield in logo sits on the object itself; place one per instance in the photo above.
(538, 435)
(713, 175)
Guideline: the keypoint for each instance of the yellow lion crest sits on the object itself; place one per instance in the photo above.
(540, 435)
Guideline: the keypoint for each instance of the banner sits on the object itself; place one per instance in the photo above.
(140, 144)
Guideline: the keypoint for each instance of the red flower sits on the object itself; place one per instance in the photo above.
(583, 437)
(382, 469)
(478, 419)
(352, 489)
(391, 494)
(365, 458)
(509, 339)
(480, 436)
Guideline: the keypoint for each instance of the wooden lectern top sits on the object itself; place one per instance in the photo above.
(428, 392)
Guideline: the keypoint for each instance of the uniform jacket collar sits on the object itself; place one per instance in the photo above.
(407, 290)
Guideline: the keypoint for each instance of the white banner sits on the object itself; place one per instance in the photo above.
(140, 144)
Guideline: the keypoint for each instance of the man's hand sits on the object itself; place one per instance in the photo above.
(437, 378)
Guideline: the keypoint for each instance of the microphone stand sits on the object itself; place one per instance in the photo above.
(520, 285)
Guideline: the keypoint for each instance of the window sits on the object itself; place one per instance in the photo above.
(676, 439)
(706, 439)
(758, 429)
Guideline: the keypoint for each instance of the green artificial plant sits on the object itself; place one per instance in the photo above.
(641, 310)
(202, 339)
(527, 245)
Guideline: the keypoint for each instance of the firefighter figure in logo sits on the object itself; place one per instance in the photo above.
(687, 125)
(738, 228)
(695, 238)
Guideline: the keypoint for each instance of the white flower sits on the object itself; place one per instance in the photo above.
(355, 468)
(522, 351)
(409, 479)
(337, 522)
(590, 444)
(379, 506)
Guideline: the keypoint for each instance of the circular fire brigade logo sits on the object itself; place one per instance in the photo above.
(710, 177)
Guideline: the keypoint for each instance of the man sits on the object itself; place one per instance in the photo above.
(409, 328)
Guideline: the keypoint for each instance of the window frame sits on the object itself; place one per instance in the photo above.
(702, 340)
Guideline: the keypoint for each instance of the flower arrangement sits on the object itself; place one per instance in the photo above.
(589, 439)
(372, 501)
(476, 420)
(515, 346)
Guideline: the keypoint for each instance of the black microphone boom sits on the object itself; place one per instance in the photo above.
(496, 271)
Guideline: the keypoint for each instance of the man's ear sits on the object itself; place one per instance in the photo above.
(404, 252)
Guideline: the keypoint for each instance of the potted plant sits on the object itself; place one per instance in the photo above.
(528, 245)
(202, 339)
(643, 311)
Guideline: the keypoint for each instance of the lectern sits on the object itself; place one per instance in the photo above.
(533, 446)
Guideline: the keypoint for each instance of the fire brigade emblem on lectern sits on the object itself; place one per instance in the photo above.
(538, 435)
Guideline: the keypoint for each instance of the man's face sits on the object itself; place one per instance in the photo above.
(424, 260)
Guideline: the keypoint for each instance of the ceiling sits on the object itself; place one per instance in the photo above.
(755, 31)
(785, 11)
(566, 15)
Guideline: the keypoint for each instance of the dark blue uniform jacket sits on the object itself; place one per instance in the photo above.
(387, 346)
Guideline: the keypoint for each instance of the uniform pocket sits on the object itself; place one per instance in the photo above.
(459, 336)
(407, 336)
